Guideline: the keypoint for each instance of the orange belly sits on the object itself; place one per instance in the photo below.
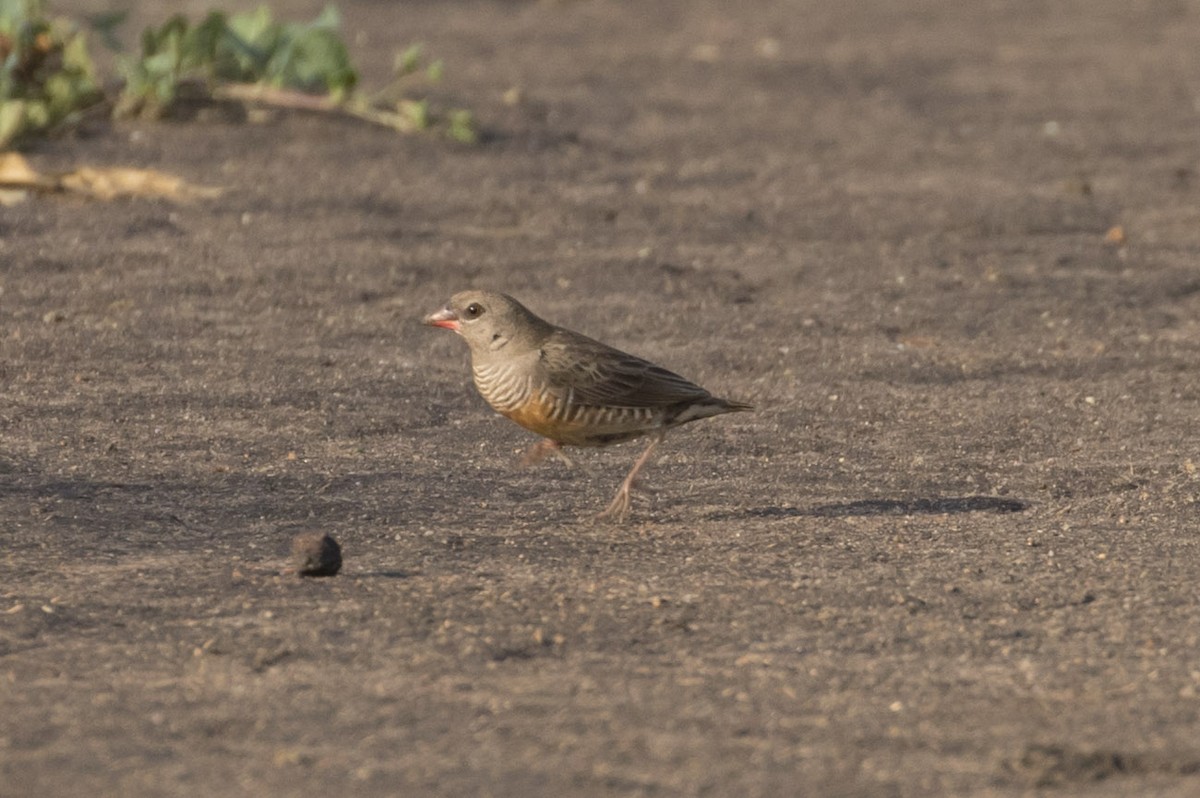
(581, 431)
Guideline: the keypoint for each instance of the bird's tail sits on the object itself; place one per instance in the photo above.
(705, 408)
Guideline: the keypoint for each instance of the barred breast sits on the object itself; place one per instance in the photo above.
(554, 413)
(502, 386)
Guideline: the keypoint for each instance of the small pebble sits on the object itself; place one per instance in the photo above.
(316, 554)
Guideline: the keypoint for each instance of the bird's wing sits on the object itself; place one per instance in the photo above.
(591, 373)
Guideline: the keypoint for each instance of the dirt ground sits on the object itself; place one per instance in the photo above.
(954, 552)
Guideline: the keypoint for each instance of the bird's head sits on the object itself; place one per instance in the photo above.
(490, 322)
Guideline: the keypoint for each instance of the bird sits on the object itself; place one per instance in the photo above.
(569, 388)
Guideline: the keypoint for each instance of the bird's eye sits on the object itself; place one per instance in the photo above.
(474, 310)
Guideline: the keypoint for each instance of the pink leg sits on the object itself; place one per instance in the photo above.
(618, 509)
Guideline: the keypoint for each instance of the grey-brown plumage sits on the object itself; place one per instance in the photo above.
(569, 388)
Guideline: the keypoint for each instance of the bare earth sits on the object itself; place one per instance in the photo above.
(956, 551)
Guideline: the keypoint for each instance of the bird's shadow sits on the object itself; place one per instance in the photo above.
(936, 505)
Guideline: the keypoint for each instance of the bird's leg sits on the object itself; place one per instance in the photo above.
(543, 449)
(618, 509)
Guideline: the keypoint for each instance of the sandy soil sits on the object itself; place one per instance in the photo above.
(954, 552)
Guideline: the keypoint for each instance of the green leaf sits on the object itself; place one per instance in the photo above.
(14, 13)
(161, 65)
(416, 112)
(409, 61)
(254, 27)
(78, 62)
(199, 45)
(329, 18)
(37, 114)
(462, 127)
(318, 60)
(12, 120)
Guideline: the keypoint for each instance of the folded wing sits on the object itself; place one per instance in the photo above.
(588, 372)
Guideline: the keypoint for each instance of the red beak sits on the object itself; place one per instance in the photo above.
(444, 318)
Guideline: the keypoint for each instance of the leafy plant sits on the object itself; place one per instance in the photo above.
(249, 48)
(47, 78)
(392, 105)
(46, 74)
(251, 57)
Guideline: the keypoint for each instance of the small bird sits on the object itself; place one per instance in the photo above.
(568, 388)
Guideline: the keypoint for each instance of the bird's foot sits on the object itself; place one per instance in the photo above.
(543, 449)
(618, 508)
